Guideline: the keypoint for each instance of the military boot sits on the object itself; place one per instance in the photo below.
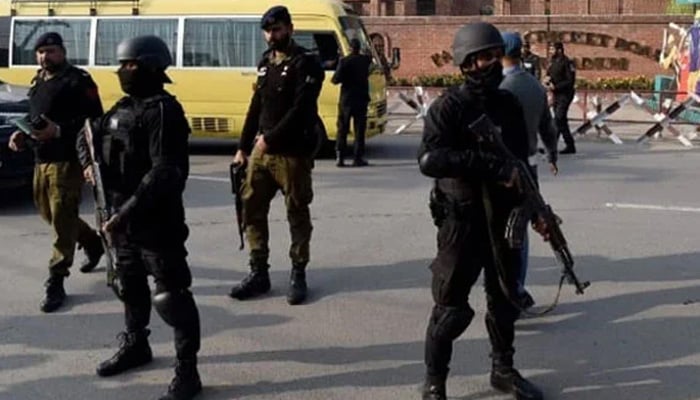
(297, 286)
(507, 379)
(256, 283)
(134, 351)
(339, 159)
(93, 253)
(434, 388)
(186, 383)
(55, 294)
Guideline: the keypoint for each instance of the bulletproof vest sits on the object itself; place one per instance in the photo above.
(125, 143)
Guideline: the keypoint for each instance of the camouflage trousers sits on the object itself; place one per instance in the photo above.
(57, 190)
(266, 174)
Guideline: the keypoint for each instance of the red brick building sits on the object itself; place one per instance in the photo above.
(377, 8)
(606, 38)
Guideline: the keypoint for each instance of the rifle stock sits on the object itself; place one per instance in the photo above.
(533, 207)
(102, 213)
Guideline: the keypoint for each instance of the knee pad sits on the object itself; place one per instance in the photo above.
(176, 307)
(447, 323)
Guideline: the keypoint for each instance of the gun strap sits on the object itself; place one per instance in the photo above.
(501, 268)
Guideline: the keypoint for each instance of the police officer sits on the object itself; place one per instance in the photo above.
(60, 99)
(144, 150)
(531, 61)
(474, 191)
(277, 141)
(562, 81)
(353, 75)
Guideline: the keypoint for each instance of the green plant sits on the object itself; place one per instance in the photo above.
(672, 7)
(441, 80)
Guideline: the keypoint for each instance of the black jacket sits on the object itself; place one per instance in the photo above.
(143, 146)
(353, 75)
(531, 64)
(562, 74)
(284, 107)
(450, 153)
(67, 99)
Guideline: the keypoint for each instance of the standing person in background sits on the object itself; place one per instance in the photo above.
(353, 75)
(531, 62)
(562, 83)
(538, 120)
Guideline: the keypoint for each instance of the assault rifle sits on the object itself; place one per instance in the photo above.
(533, 207)
(237, 175)
(102, 212)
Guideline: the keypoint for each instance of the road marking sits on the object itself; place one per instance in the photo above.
(652, 207)
(208, 178)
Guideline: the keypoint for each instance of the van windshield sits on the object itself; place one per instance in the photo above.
(354, 29)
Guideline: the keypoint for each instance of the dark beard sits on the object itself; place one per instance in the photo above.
(280, 45)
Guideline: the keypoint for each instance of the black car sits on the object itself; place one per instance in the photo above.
(16, 168)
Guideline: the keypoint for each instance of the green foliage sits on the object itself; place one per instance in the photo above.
(639, 82)
(442, 80)
(673, 8)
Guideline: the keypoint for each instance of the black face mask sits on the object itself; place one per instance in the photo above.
(487, 79)
(139, 82)
(280, 45)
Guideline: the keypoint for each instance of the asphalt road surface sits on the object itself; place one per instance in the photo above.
(630, 213)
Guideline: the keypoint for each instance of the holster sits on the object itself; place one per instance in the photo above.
(442, 207)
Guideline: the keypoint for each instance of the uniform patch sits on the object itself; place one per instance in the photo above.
(114, 123)
(262, 71)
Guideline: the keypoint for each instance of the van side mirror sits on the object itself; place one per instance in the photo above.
(395, 58)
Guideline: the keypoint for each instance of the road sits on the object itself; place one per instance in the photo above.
(631, 215)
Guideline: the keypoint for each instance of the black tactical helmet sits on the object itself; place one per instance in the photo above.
(150, 51)
(473, 38)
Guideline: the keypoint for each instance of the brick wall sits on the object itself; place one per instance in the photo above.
(421, 37)
(602, 7)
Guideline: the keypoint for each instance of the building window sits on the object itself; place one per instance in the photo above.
(425, 7)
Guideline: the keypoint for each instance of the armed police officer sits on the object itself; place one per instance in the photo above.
(143, 144)
(473, 193)
(562, 84)
(60, 99)
(276, 143)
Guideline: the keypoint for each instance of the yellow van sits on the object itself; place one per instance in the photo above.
(216, 46)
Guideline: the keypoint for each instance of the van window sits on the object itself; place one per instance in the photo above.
(222, 42)
(324, 44)
(354, 29)
(110, 32)
(75, 33)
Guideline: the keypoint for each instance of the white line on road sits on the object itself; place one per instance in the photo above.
(652, 207)
(208, 178)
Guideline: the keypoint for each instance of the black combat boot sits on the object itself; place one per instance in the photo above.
(297, 285)
(133, 352)
(339, 159)
(434, 388)
(186, 383)
(55, 294)
(256, 283)
(93, 253)
(359, 162)
(507, 379)
(569, 149)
